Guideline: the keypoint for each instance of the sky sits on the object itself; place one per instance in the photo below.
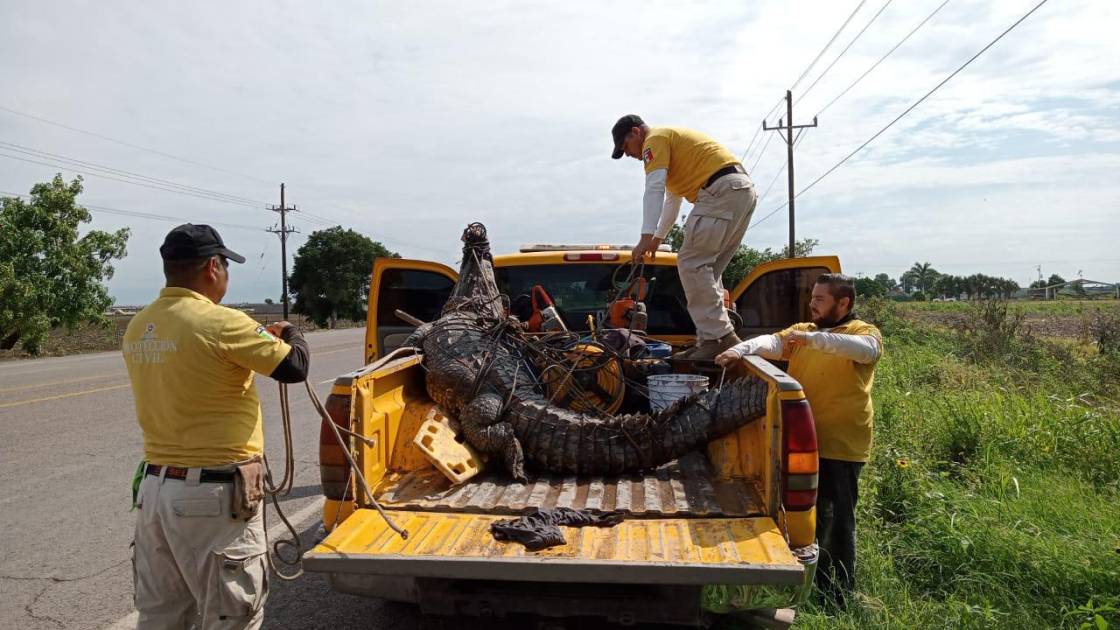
(408, 121)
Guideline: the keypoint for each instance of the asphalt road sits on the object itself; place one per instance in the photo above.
(69, 444)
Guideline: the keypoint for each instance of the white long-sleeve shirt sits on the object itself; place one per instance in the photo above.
(858, 348)
(659, 209)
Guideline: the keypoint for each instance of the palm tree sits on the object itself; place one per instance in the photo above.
(924, 276)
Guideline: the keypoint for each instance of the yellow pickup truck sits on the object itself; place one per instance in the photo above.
(725, 531)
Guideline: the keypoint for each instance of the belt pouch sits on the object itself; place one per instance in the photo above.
(248, 490)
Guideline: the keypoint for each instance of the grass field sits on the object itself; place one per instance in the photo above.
(993, 496)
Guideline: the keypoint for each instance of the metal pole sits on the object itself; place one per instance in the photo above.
(788, 136)
(789, 167)
(284, 250)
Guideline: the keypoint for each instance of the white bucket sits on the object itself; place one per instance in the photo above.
(665, 389)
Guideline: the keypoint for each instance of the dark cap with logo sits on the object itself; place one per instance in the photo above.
(623, 127)
(190, 241)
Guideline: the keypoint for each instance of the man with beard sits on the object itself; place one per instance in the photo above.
(833, 357)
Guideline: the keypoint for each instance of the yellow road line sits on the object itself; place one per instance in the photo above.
(70, 395)
(64, 382)
(321, 354)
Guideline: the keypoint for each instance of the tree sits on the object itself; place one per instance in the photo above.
(49, 276)
(866, 287)
(331, 273)
(888, 283)
(907, 281)
(1054, 279)
(745, 258)
(269, 301)
(947, 286)
(923, 276)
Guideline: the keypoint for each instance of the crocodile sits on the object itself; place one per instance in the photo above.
(480, 369)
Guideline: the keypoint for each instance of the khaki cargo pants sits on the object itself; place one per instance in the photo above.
(712, 234)
(192, 562)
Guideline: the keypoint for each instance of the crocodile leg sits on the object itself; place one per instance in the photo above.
(485, 430)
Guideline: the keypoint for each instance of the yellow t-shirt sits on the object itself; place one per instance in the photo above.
(690, 156)
(839, 391)
(191, 364)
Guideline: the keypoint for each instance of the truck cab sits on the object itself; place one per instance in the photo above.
(730, 529)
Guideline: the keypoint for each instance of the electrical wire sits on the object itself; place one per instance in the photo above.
(907, 110)
(884, 57)
(141, 215)
(128, 181)
(39, 153)
(826, 46)
(130, 145)
(804, 73)
(842, 52)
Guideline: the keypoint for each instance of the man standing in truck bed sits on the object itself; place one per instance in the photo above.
(833, 357)
(200, 540)
(685, 163)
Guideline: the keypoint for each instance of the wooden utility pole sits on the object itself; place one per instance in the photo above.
(283, 232)
(790, 140)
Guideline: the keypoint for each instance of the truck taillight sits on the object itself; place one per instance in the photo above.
(334, 471)
(799, 456)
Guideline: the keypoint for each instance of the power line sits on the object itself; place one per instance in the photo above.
(804, 73)
(761, 152)
(132, 146)
(128, 181)
(910, 108)
(884, 57)
(140, 215)
(121, 172)
(846, 49)
(759, 130)
(826, 46)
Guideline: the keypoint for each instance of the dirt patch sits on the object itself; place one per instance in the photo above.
(1037, 324)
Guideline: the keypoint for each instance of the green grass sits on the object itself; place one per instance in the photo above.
(993, 496)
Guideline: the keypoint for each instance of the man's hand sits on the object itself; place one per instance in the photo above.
(277, 329)
(795, 340)
(727, 358)
(647, 245)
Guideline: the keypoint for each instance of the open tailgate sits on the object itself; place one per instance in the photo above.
(637, 551)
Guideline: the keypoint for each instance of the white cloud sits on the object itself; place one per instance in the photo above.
(419, 119)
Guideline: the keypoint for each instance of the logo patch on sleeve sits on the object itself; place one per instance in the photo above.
(647, 156)
(264, 334)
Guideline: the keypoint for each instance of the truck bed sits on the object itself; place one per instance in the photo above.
(680, 489)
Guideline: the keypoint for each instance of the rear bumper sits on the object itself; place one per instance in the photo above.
(727, 598)
(556, 570)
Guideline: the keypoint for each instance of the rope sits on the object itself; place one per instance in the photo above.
(275, 491)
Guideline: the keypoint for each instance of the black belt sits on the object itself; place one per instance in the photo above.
(727, 170)
(208, 476)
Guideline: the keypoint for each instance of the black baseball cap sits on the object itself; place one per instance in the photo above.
(189, 241)
(621, 128)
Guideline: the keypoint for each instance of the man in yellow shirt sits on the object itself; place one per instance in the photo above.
(199, 548)
(833, 357)
(682, 163)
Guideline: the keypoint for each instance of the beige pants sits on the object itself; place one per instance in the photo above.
(712, 234)
(193, 562)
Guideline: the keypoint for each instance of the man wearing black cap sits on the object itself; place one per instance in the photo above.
(682, 163)
(200, 540)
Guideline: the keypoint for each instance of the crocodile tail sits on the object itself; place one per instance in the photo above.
(567, 442)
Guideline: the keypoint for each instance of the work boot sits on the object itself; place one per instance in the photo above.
(686, 354)
(709, 350)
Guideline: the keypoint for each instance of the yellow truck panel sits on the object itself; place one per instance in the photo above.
(637, 551)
